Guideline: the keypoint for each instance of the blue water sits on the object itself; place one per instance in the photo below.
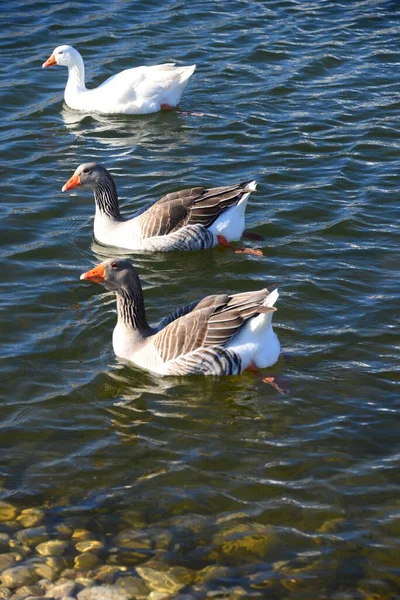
(304, 97)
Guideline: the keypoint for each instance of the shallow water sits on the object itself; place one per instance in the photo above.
(297, 494)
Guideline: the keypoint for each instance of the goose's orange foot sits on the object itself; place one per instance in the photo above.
(166, 107)
(222, 241)
(252, 251)
(270, 380)
(253, 236)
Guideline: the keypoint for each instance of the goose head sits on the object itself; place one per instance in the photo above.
(62, 55)
(89, 175)
(115, 275)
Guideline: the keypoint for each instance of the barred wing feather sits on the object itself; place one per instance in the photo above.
(212, 322)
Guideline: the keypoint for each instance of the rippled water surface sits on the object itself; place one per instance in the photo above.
(295, 495)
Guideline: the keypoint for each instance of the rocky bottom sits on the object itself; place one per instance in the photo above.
(46, 557)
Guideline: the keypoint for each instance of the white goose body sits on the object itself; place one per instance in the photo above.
(219, 335)
(191, 219)
(141, 90)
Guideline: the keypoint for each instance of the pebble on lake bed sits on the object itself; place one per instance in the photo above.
(169, 581)
(31, 517)
(61, 589)
(32, 536)
(133, 538)
(134, 586)
(4, 542)
(8, 512)
(5, 592)
(108, 573)
(27, 591)
(51, 548)
(17, 577)
(159, 596)
(45, 571)
(57, 563)
(212, 572)
(86, 561)
(63, 530)
(104, 592)
(6, 561)
(89, 546)
(243, 542)
(82, 534)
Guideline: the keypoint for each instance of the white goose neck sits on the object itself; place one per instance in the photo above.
(76, 74)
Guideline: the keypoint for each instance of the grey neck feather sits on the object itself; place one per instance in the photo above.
(131, 310)
(106, 198)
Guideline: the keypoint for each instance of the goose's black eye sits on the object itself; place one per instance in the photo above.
(114, 265)
(61, 52)
(86, 171)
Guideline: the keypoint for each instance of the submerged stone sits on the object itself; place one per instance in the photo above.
(89, 546)
(64, 530)
(51, 548)
(82, 534)
(243, 542)
(331, 526)
(31, 517)
(86, 561)
(4, 542)
(159, 596)
(85, 582)
(68, 574)
(171, 580)
(262, 580)
(103, 592)
(8, 512)
(161, 538)
(33, 536)
(45, 571)
(61, 589)
(134, 586)
(211, 573)
(5, 592)
(133, 538)
(17, 577)
(27, 591)
(107, 573)
(134, 518)
(231, 593)
(57, 563)
(6, 561)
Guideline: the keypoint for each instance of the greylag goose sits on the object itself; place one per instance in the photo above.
(138, 91)
(218, 335)
(190, 219)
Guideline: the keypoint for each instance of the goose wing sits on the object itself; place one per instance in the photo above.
(189, 207)
(212, 322)
(132, 79)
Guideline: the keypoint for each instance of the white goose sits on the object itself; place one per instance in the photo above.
(218, 335)
(137, 91)
(190, 219)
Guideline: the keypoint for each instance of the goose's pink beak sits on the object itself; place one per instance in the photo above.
(73, 182)
(50, 61)
(97, 274)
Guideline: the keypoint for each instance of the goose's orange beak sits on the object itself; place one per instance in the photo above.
(73, 182)
(97, 274)
(50, 61)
